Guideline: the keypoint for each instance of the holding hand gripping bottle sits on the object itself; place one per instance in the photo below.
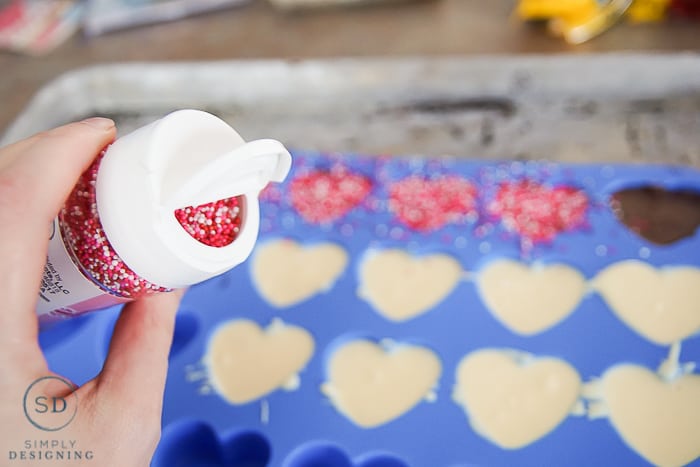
(170, 205)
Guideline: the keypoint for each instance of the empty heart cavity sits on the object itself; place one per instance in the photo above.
(661, 304)
(373, 384)
(192, 443)
(401, 286)
(656, 214)
(529, 299)
(324, 454)
(286, 273)
(245, 362)
(512, 398)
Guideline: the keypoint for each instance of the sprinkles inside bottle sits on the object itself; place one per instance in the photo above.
(85, 238)
(214, 224)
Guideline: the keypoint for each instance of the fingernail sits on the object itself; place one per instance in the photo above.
(99, 123)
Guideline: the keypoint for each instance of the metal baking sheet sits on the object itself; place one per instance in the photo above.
(595, 108)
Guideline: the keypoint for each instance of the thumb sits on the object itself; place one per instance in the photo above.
(137, 363)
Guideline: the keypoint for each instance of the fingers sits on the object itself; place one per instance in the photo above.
(43, 169)
(137, 364)
(36, 176)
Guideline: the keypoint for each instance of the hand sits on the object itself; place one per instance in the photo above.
(118, 416)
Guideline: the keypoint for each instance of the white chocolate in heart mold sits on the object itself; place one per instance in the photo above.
(513, 399)
(400, 286)
(659, 419)
(246, 362)
(530, 299)
(662, 305)
(286, 273)
(372, 385)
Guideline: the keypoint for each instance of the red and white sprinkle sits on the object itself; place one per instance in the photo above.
(214, 224)
(425, 204)
(538, 212)
(84, 237)
(324, 196)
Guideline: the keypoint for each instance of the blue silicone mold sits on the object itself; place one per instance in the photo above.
(303, 428)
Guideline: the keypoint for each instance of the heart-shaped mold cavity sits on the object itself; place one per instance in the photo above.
(326, 196)
(245, 449)
(530, 298)
(188, 443)
(657, 418)
(656, 214)
(60, 331)
(192, 443)
(380, 460)
(427, 204)
(186, 328)
(318, 455)
(537, 392)
(401, 286)
(539, 212)
(324, 454)
(246, 362)
(376, 382)
(286, 272)
(663, 307)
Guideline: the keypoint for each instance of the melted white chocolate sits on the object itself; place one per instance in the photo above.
(662, 305)
(372, 385)
(513, 399)
(400, 286)
(245, 362)
(530, 299)
(659, 419)
(286, 273)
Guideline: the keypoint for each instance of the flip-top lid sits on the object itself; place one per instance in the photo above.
(187, 158)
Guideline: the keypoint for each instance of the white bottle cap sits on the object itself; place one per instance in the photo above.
(187, 158)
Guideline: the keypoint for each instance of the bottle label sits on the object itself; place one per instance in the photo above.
(65, 291)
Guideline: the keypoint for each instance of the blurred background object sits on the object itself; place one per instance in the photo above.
(305, 4)
(583, 28)
(644, 11)
(37, 27)
(578, 21)
(108, 15)
(258, 29)
(686, 8)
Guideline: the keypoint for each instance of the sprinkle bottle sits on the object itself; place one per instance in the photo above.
(170, 205)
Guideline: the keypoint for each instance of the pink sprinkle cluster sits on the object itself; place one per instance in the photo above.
(425, 204)
(84, 237)
(324, 196)
(214, 224)
(538, 212)
(534, 211)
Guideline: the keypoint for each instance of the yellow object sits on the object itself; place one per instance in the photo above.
(576, 20)
(547, 9)
(648, 11)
